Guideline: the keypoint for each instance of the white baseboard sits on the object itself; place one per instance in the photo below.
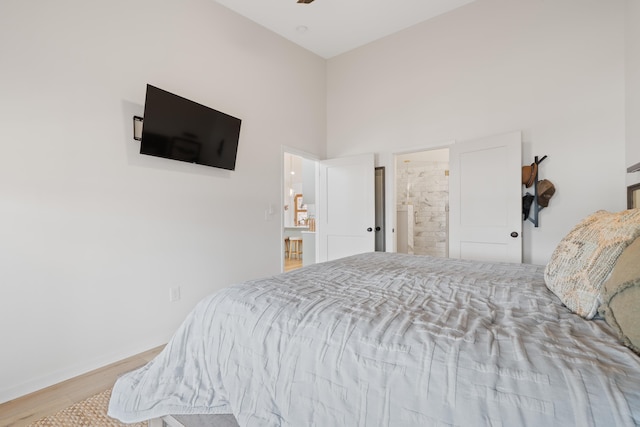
(78, 369)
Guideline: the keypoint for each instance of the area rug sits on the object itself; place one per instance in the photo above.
(91, 412)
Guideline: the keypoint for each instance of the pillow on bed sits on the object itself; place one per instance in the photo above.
(621, 300)
(584, 258)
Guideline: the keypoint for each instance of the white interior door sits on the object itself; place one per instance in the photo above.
(485, 199)
(346, 217)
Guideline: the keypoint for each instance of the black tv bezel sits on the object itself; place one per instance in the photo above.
(173, 98)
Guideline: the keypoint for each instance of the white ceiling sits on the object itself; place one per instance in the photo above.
(331, 27)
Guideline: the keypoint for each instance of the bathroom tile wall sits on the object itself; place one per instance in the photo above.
(425, 185)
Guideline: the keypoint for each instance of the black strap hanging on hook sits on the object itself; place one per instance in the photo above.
(540, 161)
(535, 208)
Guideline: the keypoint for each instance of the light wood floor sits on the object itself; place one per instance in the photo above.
(292, 264)
(32, 407)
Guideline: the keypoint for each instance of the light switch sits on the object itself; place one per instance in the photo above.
(174, 294)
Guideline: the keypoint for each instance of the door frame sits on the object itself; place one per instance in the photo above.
(380, 214)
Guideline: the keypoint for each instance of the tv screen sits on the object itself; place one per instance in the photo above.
(179, 129)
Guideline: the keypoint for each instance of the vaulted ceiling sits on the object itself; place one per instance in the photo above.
(331, 27)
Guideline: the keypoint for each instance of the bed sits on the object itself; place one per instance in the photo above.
(394, 340)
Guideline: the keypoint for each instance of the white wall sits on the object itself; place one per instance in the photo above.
(632, 27)
(554, 70)
(92, 234)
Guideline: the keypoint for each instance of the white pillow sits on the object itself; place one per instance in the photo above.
(584, 258)
(621, 297)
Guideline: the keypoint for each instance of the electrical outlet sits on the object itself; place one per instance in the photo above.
(174, 294)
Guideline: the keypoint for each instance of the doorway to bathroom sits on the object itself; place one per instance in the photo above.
(422, 202)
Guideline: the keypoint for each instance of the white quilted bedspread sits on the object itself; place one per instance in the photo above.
(390, 340)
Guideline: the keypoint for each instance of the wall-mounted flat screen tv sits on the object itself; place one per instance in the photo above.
(179, 129)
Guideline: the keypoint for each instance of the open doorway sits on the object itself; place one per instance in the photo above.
(299, 215)
(422, 202)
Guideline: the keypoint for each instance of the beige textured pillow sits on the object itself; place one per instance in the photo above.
(584, 258)
(621, 300)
